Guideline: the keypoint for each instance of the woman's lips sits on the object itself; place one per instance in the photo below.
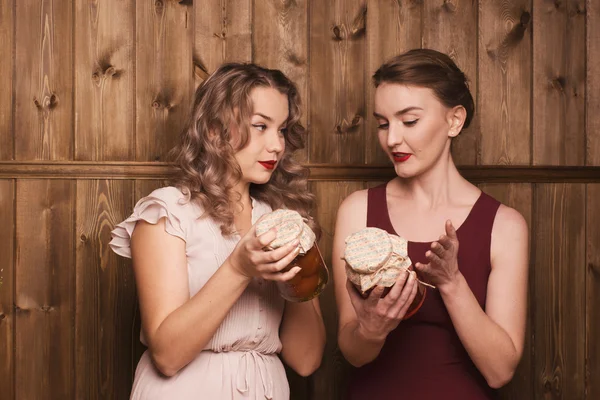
(401, 157)
(268, 164)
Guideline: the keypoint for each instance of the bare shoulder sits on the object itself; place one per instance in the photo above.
(355, 204)
(509, 231)
(352, 213)
(509, 221)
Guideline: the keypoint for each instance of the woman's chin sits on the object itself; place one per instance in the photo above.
(404, 171)
(261, 180)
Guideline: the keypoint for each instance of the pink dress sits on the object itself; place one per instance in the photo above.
(240, 361)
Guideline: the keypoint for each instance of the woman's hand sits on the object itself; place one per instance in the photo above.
(442, 269)
(251, 260)
(377, 316)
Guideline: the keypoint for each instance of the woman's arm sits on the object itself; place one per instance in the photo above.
(176, 327)
(302, 335)
(494, 339)
(364, 323)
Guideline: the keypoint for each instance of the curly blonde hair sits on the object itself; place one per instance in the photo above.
(208, 170)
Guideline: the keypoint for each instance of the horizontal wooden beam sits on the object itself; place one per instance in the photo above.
(318, 172)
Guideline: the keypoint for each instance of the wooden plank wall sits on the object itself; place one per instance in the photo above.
(94, 94)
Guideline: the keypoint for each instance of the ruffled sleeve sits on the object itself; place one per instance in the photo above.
(161, 203)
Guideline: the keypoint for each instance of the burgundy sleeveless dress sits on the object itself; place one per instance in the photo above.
(423, 358)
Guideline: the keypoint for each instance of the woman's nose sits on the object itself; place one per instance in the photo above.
(395, 136)
(275, 142)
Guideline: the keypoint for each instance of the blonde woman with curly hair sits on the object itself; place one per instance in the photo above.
(212, 318)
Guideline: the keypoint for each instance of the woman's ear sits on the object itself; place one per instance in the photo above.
(456, 120)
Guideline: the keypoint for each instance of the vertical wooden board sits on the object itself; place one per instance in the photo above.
(6, 79)
(223, 33)
(43, 80)
(519, 197)
(337, 82)
(593, 293)
(393, 27)
(44, 289)
(559, 294)
(104, 80)
(164, 76)
(144, 187)
(592, 92)
(112, 309)
(505, 81)
(280, 41)
(106, 299)
(450, 26)
(329, 382)
(559, 82)
(7, 273)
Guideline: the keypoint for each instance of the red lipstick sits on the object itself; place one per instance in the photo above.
(268, 164)
(401, 157)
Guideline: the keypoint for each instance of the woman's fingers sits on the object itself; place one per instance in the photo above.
(281, 264)
(396, 290)
(282, 276)
(433, 258)
(438, 249)
(411, 289)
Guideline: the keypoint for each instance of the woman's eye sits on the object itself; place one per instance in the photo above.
(383, 125)
(283, 131)
(260, 127)
(410, 123)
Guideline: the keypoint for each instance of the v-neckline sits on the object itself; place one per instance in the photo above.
(391, 225)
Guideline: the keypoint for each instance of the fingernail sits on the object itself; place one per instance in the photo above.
(297, 269)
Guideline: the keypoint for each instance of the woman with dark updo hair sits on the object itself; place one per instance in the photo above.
(467, 337)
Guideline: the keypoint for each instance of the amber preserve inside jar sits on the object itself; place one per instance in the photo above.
(313, 275)
(310, 281)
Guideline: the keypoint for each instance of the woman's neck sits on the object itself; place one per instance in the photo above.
(241, 196)
(434, 187)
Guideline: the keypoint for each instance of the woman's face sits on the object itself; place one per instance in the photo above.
(414, 127)
(266, 143)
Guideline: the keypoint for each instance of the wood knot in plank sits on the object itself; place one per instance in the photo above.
(525, 18)
(338, 32)
(579, 9)
(161, 102)
(288, 4)
(200, 71)
(449, 5)
(349, 127)
(559, 83)
(512, 38)
(83, 238)
(46, 308)
(48, 102)
(594, 269)
(159, 7)
(552, 384)
(294, 58)
(359, 24)
(21, 310)
(2, 316)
